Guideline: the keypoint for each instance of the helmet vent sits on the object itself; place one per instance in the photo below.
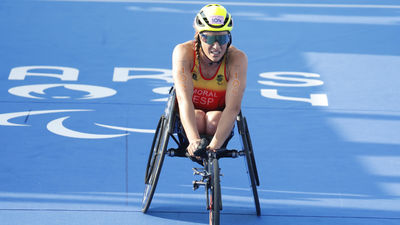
(199, 23)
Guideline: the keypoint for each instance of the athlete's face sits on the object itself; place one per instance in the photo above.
(214, 44)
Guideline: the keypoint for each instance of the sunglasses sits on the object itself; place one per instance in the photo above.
(211, 39)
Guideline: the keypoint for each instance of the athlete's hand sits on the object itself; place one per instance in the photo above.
(209, 148)
(198, 148)
(193, 147)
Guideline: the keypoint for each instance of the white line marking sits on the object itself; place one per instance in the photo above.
(257, 4)
(127, 129)
(313, 18)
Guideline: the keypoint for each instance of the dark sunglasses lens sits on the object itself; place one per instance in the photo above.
(211, 39)
(222, 39)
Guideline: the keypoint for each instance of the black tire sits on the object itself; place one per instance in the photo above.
(253, 160)
(150, 160)
(215, 193)
(250, 161)
(155, 161)
(158, 149)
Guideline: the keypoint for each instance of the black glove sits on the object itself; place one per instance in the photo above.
(202, 148)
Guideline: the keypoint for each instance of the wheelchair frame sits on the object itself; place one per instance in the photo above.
(166, 129)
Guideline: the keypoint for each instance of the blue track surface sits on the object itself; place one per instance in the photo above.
(83, 84)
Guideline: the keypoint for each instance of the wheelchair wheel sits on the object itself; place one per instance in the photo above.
(158, 149)
(251, 152)
(215, 193)
(150, 161)
(250, 160)
(154, 163)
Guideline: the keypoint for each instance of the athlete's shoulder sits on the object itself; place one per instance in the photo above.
(236, 55)
(184, 50)
(183, 56)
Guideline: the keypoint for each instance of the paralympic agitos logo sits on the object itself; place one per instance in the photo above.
(271, 83)
(64, 74)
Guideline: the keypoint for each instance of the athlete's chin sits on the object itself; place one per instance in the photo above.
(215, 58)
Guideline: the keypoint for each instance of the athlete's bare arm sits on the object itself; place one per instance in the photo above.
(237, 72)
(182, 63)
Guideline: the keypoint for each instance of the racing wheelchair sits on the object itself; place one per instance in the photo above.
(169, 127)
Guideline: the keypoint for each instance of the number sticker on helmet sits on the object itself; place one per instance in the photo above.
(217, 20)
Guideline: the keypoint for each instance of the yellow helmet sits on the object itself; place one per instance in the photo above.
(213, 17)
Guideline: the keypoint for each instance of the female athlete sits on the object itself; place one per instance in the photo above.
(210, 78)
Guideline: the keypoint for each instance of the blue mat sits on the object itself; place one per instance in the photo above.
(83, 84)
